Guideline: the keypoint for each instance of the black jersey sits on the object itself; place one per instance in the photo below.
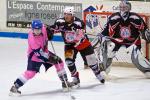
(127, 30)
(61, 25)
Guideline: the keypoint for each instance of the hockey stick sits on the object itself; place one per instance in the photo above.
(70, 94)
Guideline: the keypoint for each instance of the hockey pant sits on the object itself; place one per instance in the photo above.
(34, 67)
(87, 55)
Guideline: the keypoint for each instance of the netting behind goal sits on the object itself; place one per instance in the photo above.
(95, 22)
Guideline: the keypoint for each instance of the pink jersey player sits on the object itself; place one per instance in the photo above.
(39, 54)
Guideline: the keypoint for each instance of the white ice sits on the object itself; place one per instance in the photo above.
(124, 83)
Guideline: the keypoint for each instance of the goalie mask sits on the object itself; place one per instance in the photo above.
(125, 8)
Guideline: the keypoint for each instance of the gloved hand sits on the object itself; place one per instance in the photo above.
(41, 54)
(79, 35)
(146, 35)
(103, 38)
(50, 33)
(54, 59)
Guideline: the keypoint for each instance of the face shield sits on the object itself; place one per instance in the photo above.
(68, 17)
(69, 14)
(37, 31)
(124, 8)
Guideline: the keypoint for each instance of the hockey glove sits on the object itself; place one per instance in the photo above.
(103, 38)
(50, 33)
(54, 59)
(42, 55)
(146, 35)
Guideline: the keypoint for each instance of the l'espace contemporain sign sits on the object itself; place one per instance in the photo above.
(21, 13)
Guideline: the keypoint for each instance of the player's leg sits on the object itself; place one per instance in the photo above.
(85, 62)
(59, 65)
(70, 56)
(109, 50)
(92, 62)
(98, 52)
(140, 61)
(32, 69)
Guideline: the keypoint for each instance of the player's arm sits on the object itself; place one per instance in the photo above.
(44, 56)
(105, 31)
(37, 50)
(80, 31)
(145, 32)
(52, 29)
(82, 25)
(110, 21)
(101, 36)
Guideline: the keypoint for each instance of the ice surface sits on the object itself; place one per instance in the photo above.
(124, 83)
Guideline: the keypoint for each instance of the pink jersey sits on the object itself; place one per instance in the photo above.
(36, 42)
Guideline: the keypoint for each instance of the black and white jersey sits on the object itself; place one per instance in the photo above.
(127, 30)
(64, 27)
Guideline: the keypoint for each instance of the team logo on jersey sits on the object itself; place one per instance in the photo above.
(70, 36)
(125, 32)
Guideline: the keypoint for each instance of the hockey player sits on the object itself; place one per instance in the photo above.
(73, 33)
(125, 28)
(39, 54)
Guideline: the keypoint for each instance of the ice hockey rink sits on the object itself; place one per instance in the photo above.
(123, 83)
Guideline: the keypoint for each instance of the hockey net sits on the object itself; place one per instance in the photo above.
(95, 22)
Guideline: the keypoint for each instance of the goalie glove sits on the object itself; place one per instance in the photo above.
(146, 35)
(103, 38)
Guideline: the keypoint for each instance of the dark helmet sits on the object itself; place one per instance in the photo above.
(125, 8)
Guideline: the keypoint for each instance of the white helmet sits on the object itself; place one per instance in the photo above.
(69, 10)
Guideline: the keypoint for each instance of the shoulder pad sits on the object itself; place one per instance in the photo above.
(114, 16)
(60, 20)
(134, 16)
(78, 23)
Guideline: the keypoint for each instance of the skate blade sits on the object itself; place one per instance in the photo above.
(14, 94)
(66, 89)
(76, 86)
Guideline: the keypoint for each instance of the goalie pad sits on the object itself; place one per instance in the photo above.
(103, 48)
(139, 61)
(91, 59)
(110, 48)
(107, 55)
(95, 42)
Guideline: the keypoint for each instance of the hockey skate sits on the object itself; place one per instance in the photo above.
(100, 78)
(76, 81)
(66, 86)
(14, 91)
